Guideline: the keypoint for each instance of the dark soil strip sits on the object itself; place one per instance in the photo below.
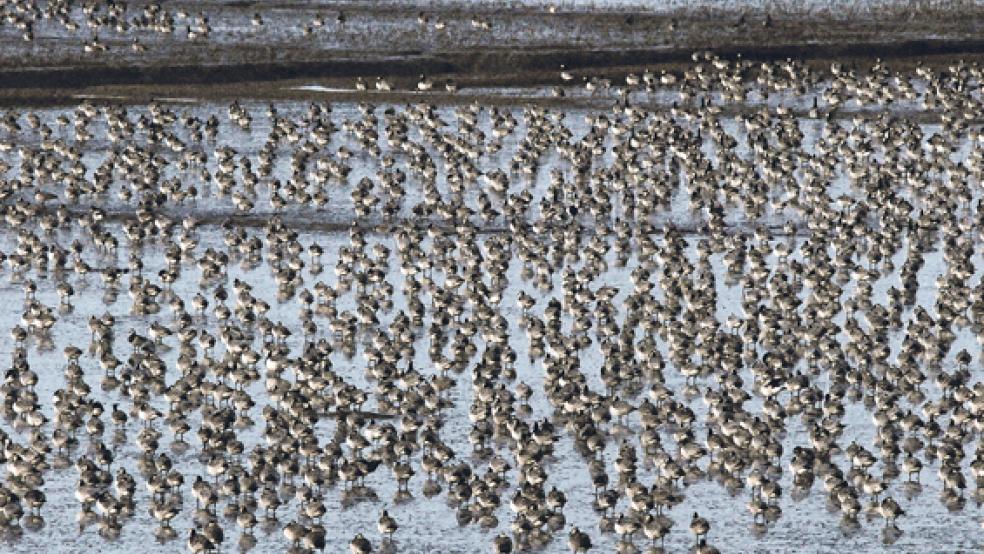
(476, 67)
(316, 221)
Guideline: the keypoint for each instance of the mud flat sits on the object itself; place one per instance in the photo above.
(522, 46)
(85, 180)
(427, 524)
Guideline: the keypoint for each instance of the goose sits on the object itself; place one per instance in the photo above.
(699, 527)
(387, 525)
(502, 544)
(360, 545)
(578, 541)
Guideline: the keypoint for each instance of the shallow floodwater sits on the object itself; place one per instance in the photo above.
(426, 524)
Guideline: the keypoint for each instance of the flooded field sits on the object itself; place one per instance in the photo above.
(546, 277)
(767, 318)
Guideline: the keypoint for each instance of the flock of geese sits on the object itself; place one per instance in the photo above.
(114, 26)
(238, 322)
(116, 18)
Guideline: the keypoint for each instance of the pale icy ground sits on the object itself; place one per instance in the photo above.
(428, 525)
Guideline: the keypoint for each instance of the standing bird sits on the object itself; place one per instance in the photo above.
(578, 541)
(360, 545)
(502, 544)
(387, 525)
(890, 510)
(699, 527)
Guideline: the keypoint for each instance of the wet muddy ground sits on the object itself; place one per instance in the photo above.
(426, 523)
(474, 44)
(513, 65)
